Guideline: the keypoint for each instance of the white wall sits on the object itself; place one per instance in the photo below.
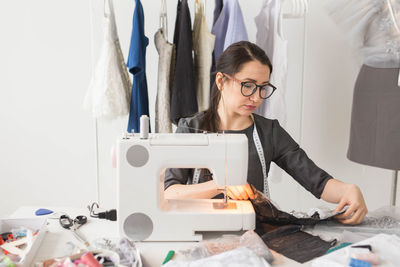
(48, 142)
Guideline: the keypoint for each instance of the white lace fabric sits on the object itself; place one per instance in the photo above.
(109, 92)
(370, 29)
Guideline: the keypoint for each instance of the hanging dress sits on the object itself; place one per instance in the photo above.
(183, 94)
(203, 45)
(229, 27)
(137, 66)
(270, 38)
(108, 95)
(165, 73)
(371, 28)
(219, 4)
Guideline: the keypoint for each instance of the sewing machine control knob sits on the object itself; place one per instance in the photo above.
(144, 127)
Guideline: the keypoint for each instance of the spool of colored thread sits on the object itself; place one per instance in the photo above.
(90, 260)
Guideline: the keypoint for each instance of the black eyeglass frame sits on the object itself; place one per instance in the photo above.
(255, 89)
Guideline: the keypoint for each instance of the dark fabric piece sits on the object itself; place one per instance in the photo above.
(295, 244)
(266, 212)
(278, 146)
(375, 118)
(219, 4)
(183, 92)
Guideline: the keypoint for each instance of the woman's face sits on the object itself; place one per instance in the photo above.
(230, 86)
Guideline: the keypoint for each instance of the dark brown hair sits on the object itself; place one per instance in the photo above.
(231, 62)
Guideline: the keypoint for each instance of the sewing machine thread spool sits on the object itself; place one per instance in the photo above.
(144, 127)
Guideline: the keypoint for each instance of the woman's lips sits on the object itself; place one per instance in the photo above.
(250, 107)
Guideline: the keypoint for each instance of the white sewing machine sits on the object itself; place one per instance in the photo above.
(143, 212)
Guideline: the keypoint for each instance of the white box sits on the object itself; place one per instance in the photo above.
(6, 225)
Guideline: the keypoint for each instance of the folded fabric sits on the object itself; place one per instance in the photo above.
(293, 243)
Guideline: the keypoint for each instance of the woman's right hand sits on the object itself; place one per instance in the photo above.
(240, 192)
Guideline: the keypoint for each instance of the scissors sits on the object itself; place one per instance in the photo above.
(73, 225)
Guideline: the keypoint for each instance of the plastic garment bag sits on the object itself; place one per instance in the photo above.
(108, 95)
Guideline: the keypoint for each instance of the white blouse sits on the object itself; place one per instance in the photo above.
(372, 27)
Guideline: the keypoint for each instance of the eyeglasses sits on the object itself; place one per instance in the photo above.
(249, 88)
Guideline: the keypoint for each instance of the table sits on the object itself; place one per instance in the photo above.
(152, 253)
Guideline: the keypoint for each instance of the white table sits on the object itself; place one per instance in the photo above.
(152, 253)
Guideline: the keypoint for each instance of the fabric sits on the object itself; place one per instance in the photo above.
(278, 147)
(281, 231)
(237, 257)
(137, 66)
(226, 242)
(109, 92)
(295, 244)
(165, 73)
(229, 27)
(219, 4)
(267, 212)
(370, 29)
(375, 119)
(183, 95)
(270, 38)
(203, 45)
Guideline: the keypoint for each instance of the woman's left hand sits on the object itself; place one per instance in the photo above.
(356, 211)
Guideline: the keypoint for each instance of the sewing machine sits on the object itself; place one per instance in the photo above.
(143, 212)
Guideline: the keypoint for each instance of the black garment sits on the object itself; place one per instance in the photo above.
(287, 238)
(183, 92)
(266, 212)
(278, 147)
(293, 243)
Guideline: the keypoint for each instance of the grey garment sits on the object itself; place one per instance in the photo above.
(165, 72)
(278, 147)
(375, 119)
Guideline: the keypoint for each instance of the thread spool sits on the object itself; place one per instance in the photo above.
(144, 127)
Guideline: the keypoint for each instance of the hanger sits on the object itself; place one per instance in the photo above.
(163, 19)
(298, 8)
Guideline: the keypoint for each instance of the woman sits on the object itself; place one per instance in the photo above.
(241, 84)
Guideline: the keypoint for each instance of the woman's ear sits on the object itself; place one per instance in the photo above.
(219, 80)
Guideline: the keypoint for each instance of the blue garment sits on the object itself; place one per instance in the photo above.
(229, 27)
(137, 66)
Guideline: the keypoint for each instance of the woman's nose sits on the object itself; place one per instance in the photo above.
(256, 97)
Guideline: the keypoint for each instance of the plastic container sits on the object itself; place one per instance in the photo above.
(6, 225)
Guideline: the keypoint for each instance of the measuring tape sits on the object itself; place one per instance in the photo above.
(260, 152)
